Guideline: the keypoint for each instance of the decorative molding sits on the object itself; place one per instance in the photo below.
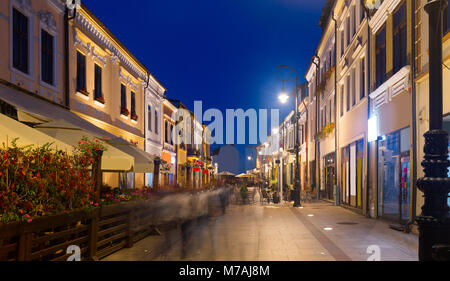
(89, 48)
(114, 59)
(386, 8)
(24, 5)
(128, 80)
(377, 20)
(95, 54)
(108, 44)
(392, 87)
(78, 41)
(47, 21)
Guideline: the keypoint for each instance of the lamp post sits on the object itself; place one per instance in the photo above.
(434, 221)
(283, 99)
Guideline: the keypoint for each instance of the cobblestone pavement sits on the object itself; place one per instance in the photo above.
(265, 232)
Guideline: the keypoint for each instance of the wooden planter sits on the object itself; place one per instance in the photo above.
(98, 233)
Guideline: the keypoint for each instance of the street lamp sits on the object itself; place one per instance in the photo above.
(283, 97)
(434, 221)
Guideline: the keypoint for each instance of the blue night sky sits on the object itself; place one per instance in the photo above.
(222, 52)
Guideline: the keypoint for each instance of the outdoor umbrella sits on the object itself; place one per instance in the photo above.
(226, 174)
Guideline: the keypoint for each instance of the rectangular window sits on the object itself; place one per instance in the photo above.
(133, 103)
(446, 18)
(348, 93)
(362, 13)
(380, 52)
(98, 82)
(171, 134)
(47, 57)
(330, 112)
(81, 72)
(123, 96)
(354, 20)
(166, 133)
(342, 42)
(362, 92)
(20, 41)
(353, 86)
(334, 55)
(400, 37)
(347, 30)
(156, 122)
(149, 113)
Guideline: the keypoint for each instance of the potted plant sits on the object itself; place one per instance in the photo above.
(100, 100)
(244, 193)
(83, 91)
(134, 117)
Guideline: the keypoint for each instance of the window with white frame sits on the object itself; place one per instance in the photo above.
(353, 86)
(47, 57)
(362, 92)
(20, 41)
(354, 21)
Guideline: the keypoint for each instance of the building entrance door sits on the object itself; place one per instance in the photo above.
(329, 182)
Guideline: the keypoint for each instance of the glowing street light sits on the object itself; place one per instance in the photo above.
(283, 97)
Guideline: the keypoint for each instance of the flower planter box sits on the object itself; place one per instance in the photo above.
(97, 103)
(82, 94)
(98, 232)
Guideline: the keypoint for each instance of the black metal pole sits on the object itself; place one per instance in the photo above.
(317, 121)
(297, 201)
(434, 221)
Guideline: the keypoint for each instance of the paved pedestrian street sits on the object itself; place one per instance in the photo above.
(266, 232)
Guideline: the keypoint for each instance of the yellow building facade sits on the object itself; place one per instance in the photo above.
(107, 86)
(38, 27)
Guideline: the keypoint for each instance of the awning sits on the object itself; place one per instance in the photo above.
(37, 110)
(142, 163)
(112, 160)
(11, 129)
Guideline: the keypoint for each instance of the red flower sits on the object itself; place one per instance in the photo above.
(29, 205)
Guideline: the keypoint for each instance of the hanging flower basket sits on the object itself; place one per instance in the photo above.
(205, 171)
(197, 169)
(165, 167)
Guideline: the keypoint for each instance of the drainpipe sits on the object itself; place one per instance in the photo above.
(369, 71)
(317, 151)
(335, 114)
(66, 54)
(145, 123)
(414, 120)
